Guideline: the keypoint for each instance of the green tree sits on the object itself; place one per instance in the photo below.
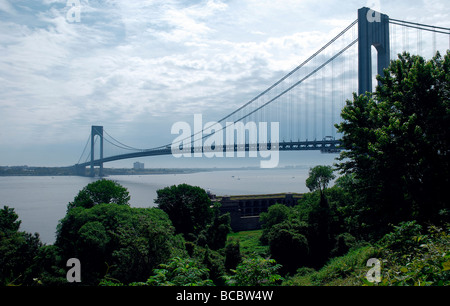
(320, 218)
(215, 233)
(17, 250)
(100, 192)
(232, 254)
(9, 221)
(289, 245)
(397, 143)
(275, 214)
(124, 242)
(215, 263)
(187, 206)
(344, 206)
(319, 178)
(48, 267)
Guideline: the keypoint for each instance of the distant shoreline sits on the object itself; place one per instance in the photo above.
(70, 171)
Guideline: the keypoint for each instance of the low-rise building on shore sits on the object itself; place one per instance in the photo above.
(245, 209)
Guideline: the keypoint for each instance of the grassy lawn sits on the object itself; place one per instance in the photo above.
(249, 242)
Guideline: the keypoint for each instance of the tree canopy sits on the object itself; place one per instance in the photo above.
(187, 206)
(319, 178)
(100, 192)
(396, 143)
(193, 215)
(17, 249)
(131, 240)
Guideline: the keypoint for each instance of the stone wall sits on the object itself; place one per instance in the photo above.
(245, 210)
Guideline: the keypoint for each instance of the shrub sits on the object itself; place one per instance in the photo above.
(415, 259)
(179, 272)
(255, 272)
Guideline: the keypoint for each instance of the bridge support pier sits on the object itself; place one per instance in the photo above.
(373, 30)
(96, 130)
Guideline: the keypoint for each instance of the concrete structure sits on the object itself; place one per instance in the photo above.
(245, 210)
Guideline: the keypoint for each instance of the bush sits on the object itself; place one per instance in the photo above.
(414, 259)
(288, 245)
(400, 239)
(344, 242)
(179, 272)
(255, 272)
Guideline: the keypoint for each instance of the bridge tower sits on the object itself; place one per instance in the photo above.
(373, 30)
(96, 130)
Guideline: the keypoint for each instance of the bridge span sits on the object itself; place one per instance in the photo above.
(306, 102)
(326, 145)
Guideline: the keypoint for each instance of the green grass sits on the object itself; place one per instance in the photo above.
(250, 243)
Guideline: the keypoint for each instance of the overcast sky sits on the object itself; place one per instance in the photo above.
(137, 67)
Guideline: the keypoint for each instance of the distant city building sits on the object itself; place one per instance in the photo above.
(138, 165)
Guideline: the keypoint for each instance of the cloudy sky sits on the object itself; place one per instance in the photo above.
(137, 67)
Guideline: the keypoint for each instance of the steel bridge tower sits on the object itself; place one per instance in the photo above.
(373, 30)
(96, 130)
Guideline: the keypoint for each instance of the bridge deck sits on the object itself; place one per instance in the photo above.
(323, 145)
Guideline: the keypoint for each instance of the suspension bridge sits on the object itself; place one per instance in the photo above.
(306, 102)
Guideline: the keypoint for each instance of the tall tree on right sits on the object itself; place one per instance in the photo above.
(396, 144)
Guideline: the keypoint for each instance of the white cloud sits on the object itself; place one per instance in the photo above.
(130, 62)
(5, 6)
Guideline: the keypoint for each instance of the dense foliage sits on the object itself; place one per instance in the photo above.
(100, 192)
(119, 245)
(256, 271)
(410, 255)
(194, 216)
(17, 250)
(188, 207)
(397, 144)
(132, 241)
(319, 178)
(308, 234)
